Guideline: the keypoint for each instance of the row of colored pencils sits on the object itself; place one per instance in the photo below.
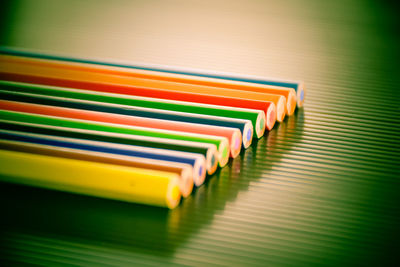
(138, 133)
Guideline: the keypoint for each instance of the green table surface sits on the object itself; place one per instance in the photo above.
(322, 188)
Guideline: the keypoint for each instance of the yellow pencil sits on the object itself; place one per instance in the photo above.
(185, 171)
(91, 178)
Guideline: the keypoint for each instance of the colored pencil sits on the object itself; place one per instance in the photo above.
(184, 171)
(288, 93)
(298, 86)
(191, 152)
(21, 112)
(12, 65)
(83, 110)
(239, 105)
(166, 109)
(116, 150)
(91, 178)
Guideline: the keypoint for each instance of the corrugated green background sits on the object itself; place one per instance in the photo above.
(322, 188)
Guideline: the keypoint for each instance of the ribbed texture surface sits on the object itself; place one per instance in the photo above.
(321, 188)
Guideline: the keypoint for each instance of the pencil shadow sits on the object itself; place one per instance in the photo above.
(46, 214)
